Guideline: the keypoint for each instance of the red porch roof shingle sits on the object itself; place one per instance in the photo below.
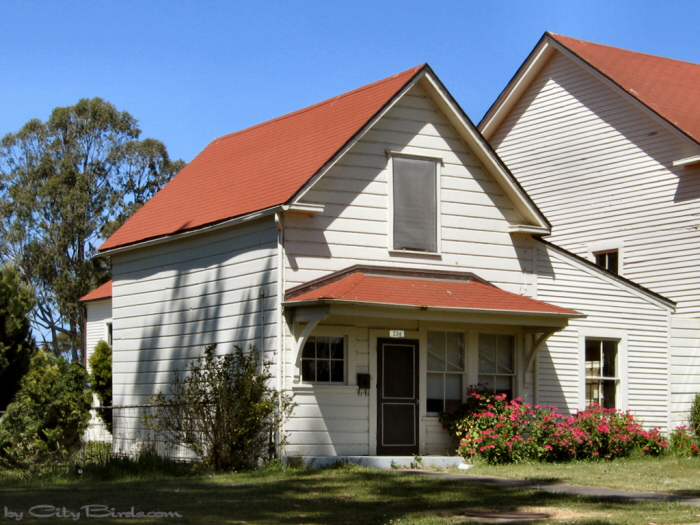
(361, 286)
(103, 291)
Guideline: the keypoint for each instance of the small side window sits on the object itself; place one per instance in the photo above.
(610, 260)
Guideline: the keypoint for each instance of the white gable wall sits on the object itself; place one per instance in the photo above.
(99, 313)
(354, 228)
(613, 310)
(601, 170)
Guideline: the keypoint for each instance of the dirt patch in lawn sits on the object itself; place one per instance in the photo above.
(517, 515)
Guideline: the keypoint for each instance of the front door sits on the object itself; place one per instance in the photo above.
(397, 397)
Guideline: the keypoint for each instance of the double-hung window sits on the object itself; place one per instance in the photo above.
(415, 204)
(601, 372)
(445, 370)
(497, 363)
(323, 360)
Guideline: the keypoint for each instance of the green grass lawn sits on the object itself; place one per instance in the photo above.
(345, 495)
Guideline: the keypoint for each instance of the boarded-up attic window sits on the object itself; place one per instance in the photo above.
(415, 204)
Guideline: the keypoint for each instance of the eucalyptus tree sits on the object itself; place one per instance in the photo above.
(65, 185)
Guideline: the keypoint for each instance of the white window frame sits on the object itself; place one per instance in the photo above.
(345, 362)
(515, 375)
(462, 373)
(391, 155)
(607, 247)
(621, 396)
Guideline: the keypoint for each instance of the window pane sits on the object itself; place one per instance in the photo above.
(309, 349)
(504, 385)
(337, 371)
(487, 353)
(593, 365)
(453, 386)
(337, 347)
(454, 342)
(435, 392)
(609, 356)
(308, 370)
(415, 204)
(609, 388)
(322, 348)
(486, 381)
(323, 372)
(506, 350)
(436, 351)
(592, 393)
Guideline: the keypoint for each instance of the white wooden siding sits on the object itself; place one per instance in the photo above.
(609, 306)
(353, 228)
(685, 368)
(173, 299)
(601, 169)
(99, 313)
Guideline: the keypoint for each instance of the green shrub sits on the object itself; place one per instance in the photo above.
(223, 410)
(101, 379)
(49, 413)
(684, 443)
(695, 415)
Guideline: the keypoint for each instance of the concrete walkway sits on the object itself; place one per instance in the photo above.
(557, 488)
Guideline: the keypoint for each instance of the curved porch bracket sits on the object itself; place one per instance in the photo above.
(530, 359)
(313, 322)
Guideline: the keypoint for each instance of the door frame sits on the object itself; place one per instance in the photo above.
(415, 343)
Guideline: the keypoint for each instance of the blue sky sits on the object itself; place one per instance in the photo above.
(192, 71)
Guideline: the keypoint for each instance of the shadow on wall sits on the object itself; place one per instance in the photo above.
(208, 291)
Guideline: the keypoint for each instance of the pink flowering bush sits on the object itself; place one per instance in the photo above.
(502, 431)
(684, 443)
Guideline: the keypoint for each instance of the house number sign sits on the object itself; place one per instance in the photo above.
(395, 333)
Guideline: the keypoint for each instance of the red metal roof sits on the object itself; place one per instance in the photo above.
(101, 292)
(470, 294)
(259, 167)
(669, 87)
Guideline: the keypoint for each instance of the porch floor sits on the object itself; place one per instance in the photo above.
(380, 462)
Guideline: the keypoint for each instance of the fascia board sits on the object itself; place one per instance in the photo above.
(522, 79)
(431, 313)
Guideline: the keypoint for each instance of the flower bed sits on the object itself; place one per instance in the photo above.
(503, 431)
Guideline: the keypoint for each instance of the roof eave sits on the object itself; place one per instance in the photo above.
(427, 308)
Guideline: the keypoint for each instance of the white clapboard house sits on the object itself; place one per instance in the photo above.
(607, 143)
(376, 250)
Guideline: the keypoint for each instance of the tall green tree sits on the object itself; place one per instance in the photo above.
(16, 342)
(65, 185)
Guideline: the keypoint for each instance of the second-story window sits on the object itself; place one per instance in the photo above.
(608, 260)
(415, 204)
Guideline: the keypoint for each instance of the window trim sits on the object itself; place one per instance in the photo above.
(391, 155)
(516, 353)
(599, 248)
(344, 382)
(462, 373)
(605, 334)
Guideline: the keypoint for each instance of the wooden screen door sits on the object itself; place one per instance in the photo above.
(397, 397)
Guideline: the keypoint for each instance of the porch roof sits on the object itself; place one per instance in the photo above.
(434, 290)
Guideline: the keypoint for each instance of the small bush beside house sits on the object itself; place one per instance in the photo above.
(223, 409)
(502, 431)
(101, 379)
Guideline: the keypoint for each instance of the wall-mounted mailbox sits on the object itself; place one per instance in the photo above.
(362, 384)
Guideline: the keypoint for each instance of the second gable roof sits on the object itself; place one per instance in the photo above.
(666, 86)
